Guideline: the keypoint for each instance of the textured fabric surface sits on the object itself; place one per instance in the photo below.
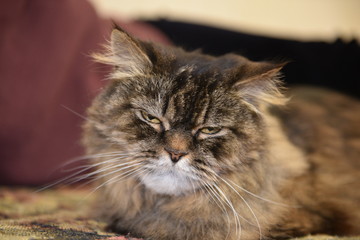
(51, 214)
(61, 214)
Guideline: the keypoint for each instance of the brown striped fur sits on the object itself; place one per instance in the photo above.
(247, 167)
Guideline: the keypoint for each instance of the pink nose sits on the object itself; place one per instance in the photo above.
(175, 155)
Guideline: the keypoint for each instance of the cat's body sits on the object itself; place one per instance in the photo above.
(190, 146)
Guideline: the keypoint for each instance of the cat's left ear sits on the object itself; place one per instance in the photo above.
(127, 55)
(260, 83)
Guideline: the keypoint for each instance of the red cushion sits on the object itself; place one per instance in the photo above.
(45, 68)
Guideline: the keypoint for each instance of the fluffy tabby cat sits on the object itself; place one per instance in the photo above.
(191, 146)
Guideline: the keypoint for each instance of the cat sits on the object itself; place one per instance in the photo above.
(192, 146)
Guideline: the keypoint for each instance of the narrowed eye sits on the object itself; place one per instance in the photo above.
(149, 118)
(210, 130)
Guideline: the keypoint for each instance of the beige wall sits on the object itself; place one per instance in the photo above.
(298, 19)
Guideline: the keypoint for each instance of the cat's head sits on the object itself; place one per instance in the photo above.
(176, 120)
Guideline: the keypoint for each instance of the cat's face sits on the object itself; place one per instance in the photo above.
(178, 120)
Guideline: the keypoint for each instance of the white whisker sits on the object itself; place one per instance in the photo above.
(248, 206)
(101, 170)
(70, 178)
(117, 170)
(132, 174)
(192, 184)
(216, 199)
(114, 179)
(96, 164)
(236, 215)
(77, 114)
(264, 199)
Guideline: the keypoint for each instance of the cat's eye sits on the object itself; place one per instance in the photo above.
(210, 130)
(150, 118)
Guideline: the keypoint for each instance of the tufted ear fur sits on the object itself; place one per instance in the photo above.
(260, 84)
(126, 54)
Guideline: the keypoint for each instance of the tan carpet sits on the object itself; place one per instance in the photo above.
(59, 214)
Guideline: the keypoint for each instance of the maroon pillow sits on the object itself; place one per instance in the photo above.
(45, 69)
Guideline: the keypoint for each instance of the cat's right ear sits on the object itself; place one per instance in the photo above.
(126, 54)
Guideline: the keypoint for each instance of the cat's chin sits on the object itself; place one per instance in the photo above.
(169, 183)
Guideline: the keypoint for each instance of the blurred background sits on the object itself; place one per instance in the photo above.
(308, 20)
(48, 78)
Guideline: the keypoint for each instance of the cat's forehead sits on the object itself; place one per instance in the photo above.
(188, 98)
(192, 90)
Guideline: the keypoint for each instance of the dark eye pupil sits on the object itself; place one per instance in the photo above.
(210, 130)
(150, 118)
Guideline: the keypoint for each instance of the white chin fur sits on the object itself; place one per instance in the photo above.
(168, 178)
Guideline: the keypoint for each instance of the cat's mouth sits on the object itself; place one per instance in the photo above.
(171, 179)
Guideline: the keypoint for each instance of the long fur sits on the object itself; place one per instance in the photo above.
(246, 167)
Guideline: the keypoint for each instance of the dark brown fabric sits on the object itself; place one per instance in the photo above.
(45, 68)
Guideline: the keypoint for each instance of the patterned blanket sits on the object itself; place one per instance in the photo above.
(59, 214)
